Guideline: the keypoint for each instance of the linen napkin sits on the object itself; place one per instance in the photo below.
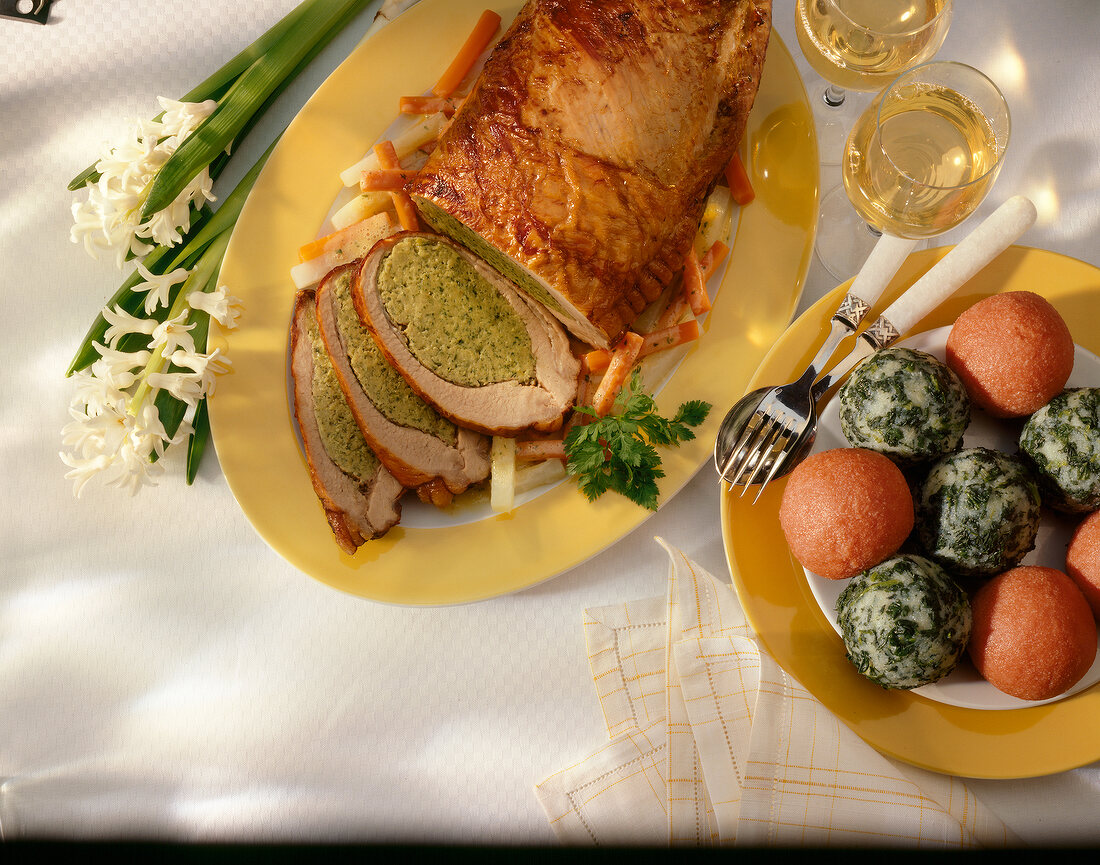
(711, 743)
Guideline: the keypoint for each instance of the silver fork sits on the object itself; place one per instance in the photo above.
(784, 413)
(787, 414)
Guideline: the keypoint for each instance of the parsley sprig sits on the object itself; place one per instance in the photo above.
(618, 452)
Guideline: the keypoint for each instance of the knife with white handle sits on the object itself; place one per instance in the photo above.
(992, 237)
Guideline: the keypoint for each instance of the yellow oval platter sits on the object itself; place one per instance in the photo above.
(253, 430)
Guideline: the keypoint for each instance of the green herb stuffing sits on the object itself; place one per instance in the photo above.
(905, 404)
(619, 452)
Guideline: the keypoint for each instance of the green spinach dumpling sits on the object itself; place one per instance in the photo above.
(1062, 442)
(977, 512)
(905, 404)
(904, 622)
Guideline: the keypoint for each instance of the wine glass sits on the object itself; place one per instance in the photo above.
(861, 45)
(919, 161)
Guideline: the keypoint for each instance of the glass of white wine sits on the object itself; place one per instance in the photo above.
(861, 45)
(919, 161)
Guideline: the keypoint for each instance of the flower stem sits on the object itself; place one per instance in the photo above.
(204, 270)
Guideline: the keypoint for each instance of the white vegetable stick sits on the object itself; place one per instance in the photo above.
(502, 483)
(309, 272)
(362, 206)
(539, 474)
(352, 175)
(409, 141)
(992, 237)
(529, 476)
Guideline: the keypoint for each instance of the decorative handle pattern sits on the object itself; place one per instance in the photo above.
(851, 311)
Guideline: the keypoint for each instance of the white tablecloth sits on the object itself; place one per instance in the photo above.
(164, 674)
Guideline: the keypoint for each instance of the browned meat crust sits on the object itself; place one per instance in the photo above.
(589, 144)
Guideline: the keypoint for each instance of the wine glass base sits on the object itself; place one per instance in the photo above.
(844, 239)
(833, 121)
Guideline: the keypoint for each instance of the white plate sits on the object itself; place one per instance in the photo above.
(964, 687)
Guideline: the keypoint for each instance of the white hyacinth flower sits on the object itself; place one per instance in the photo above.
(219, 304)
(125, 402)
(92, 397)
(114, 444)
(172, 334)
(115, 428)
(184, 386)
(113, 363)
(183, 118)
(122, 323)
(158, 287)
(204, 367)
(107, 219)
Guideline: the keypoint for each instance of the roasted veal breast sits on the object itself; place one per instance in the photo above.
(479, 351)
(580, 163)
(360, 497)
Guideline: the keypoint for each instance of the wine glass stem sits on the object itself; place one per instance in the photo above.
(834, 96)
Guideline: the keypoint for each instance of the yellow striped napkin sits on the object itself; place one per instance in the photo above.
(711, 743)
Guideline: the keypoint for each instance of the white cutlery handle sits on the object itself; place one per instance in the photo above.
(885, 260)
(975, 251)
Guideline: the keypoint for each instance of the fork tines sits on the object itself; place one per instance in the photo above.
(760, 451)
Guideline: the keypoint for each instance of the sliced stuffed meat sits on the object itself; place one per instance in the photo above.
(466, 340)
(417, 445)
(360, 497)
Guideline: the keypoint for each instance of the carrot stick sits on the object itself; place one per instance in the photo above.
(596, 360)
(622, 361)
(387, 154)
(385, 179)
(314, 248)
(427, 105)
(537, 450)
(738, 180)
(669, 337)
(407, 215)
(586, 390)
(695, 286)
(402, 203)
(712, 258)
(463, 62)
(311, 250)
(677, 305)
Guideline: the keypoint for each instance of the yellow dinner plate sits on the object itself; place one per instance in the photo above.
(250, 413)
(1014, 743)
